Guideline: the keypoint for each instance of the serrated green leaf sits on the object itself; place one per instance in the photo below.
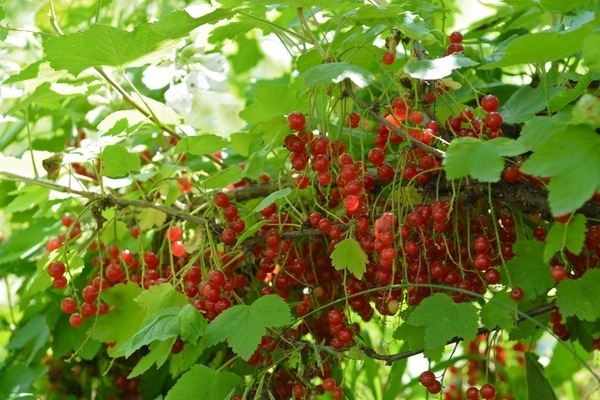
(537, 130)
(117, 161)
(591, 52)
(438, 68)
(336, 72)
(579, 297)
(162, 326)
(570, 235)
(528, 270)
(28, 197)
(538, 386)
(50, 95)
(563, 157)
(523, 105)
(114, 231)
(272, 198)
(347, 254)
(444, 319)
(159, 353)
(587, 111)
(495, 312)
(480, 159)
(32, 335)
(124, 320)
(160, 297)
(274, 100)
(243, 326)
(563, 98)
(561, 5)
(102, 45)
(203, 383)
(203, 144)
(223, 178)
(414, 338)
(191, 323)
(542, 47)
(149, 218)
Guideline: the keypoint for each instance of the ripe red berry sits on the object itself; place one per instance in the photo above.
(353, 120)
(76, 320)
(456, 37)
(385, 171)
(296, 120)
(388, 58)
(56, 269)
(177, 346)
(558, 273)
(427, 378)
(415, 117)
(228, 236)
(68, 305)
(114, 273)
(221, 200)
(493, 120)
(516, 294)
(376, 156)
(328, 384)
(473, 393)
(67, 220)
(435, 387)
(488, 391)
(351, 203)
(489, 103)
(455, 48)
(174, 233)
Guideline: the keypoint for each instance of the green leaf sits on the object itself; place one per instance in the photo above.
(481, 159)
(561, 5)
(528, 270)
(149, 218)
(117, 161)
(224, 177)
(438, 68)
(523, 105)
(563, 157)
(191, 323)
(565, 97)
(203, 144)
(32, 336)
(542, 47)
(121, 323)
(591, 52)
(274, 100)
(159, 353)
(537, 130)
(570, 235)
(497, 312)
(348, 254)
(336, 72)
(579, 297)
(444, 319)
(160, 297)
(102, 45)
(162, 326)
(50, 95)
(243, 326)
(538, 386)
(203, 383)
(272, 198)
(587, 111)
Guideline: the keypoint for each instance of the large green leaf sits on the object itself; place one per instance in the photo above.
(538, 386)
(348, 254)
(579, 297)
(571, 158)
(162, 326)
(438, 68)
(102, 45)
(523, 105)
(570, 235)
(243, 326)
(203, 383)
(480, 159)
(444, 319)
(528, 270)
(499, 311)
(202, 144)
(591, 52)
(542, 47)
(124, 320)
(117, 161)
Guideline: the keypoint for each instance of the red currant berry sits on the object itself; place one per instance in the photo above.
(178, 249)
(76, 320)
(56, 269)
(68, 305)
(296, 120)
(456, 37)
(388, 58)
(427, 378)
(489, 103)
(516, 294)
(228, 236)
(558, 273)
(488, 391)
